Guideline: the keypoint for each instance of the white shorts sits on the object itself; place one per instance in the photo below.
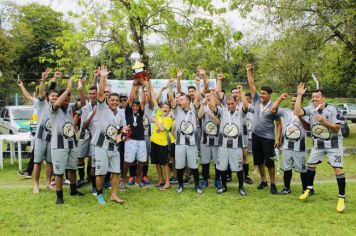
(135, 150)
(336, 156)
(106, 161)
(208, 154)
(293, 159)
(42, 151)
(83, 148)
(232, 156)
(185, 154)
(63, 159)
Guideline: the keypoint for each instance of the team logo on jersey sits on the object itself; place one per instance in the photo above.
(320, 131)
(211, 128)
(231, 130)
(249, 124)
(111, 133)
(293, 132)
(48, 125)
(68, 130)
(186, 128)
(145, 120)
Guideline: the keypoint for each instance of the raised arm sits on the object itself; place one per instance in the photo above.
(133, 93)
(279, 100)
(83, 100)
(219, 80)
(277, 142)
(96, 73)
(251, 80)
(24, 91)
(171, 99)
(103, 71)
(42, 88)
(54, 80)
(158, 96)
(298, 110)
(87, 122)
(197, 93)
(243, 98)
(201, 111)
(63, 97)
(179, 77)
(143, 98)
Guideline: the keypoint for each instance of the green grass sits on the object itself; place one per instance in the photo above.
(151, 212)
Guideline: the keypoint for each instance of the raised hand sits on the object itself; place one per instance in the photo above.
(197, 82)
(57, 75)
(69, 83)
(104, 72)
(44, 74)
(180, 73)
(284, 96)
(220, 76)
(19, 83)
(249, 67)
(200, 71)
(301, 89)
(80, 84)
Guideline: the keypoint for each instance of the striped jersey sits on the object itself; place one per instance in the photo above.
(210, 131)
(249, 121)
(147, 119)
(293, 133)
(63, 135)
(85, 112)
(323, 138)
(230, 131)
(185, 125)
(44, 127)
(107, 127)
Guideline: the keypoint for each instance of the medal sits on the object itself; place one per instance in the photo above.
(263, 108)
(135, 120)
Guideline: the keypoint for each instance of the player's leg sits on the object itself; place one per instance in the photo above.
(114, 169)
(180, 164)
(59, 160)
(39, 155)
(235, 158)
(206, 156)
(193, 164)
(73, 167)
(287, 166)
(222, 163)
(145, 178)
(258, 160)
(49, 167)
(246, 167)
(101, 169)
(141, 157)
(269, 153)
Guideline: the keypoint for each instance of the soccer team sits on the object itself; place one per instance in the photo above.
(120, 134)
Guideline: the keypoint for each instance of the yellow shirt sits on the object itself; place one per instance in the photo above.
(160, 137)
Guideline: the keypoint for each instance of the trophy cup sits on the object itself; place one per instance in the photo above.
(138, 68)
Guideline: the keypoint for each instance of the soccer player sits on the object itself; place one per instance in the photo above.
(63, 140)
(185, 132)
(208, 112)
(263, 132)
(109, 125)
(231, 141)
(327, 139)
(293, 143)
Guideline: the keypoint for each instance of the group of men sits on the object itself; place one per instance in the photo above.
(120, 133)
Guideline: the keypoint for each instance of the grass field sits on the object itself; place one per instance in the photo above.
(151, 212)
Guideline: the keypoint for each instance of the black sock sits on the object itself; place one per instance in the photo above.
(145, 170)
(107, 177)
(246, 169)
(303, 178)
(73, 188)
(228, 172)
(310, 177)
(93, 184)
(88, 172)
(81, 172)
(60, 194)
(240, 178)
(205, 171)
(98, 192)
(195, 173)
(132, 170)
(223, 178)
(217, 174)
(287, 177)
(180, 173)
(341, 183)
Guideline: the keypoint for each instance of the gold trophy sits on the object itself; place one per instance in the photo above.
(138, 68)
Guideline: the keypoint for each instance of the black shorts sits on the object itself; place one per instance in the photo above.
(172, 150)
(263, 151)
(159, 154)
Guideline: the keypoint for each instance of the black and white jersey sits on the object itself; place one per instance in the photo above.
(85, 112)
(44, 127)
(185, 125)
(147, 119)
(63, 136)
(210, 131)
(249, 121)
(230, 132)
(293, 134)
(323, 138)
(108, 125)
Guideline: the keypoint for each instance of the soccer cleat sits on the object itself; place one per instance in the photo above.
(242, 192)
(145, 180)
(66, 181)
(221, 190)
(93, 191)
(340, 205)
(262, 185)
(24, 174)
(59, 201)
(312, 192)
(173, 180)
(186, 180)
(198, 189)
(101, 199)
(285, 191)
(131, 181)
(248, 180)
(273, 188)
(204, 183)
(179, 189)
(305, 195)
(218, 184)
